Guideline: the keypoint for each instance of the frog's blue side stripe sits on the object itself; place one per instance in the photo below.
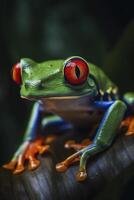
(58, 125)
(102, 104)
(31, 131)
(57, 130)
(55, 126)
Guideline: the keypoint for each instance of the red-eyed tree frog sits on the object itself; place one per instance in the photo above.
(71, 92)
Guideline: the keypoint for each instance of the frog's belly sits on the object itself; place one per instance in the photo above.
(77, 111)
(81, 118)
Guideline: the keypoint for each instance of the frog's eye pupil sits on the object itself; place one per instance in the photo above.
(76, 71)
(16, 73)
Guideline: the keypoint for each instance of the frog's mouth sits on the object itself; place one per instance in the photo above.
(54, 97)
(90, 95)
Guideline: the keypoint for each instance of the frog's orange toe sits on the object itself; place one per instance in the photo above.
(50, 139)
(19, 169)
(86, 142)
(129, 123)
(69, 144)
(28, 152)
(33, 163)
(81, 176)
(43, 149)
(10, 165)
(61, 167)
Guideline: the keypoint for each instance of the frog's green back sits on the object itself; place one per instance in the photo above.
(104, 83)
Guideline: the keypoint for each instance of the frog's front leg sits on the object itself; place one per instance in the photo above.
(102, 140)
(32, 144)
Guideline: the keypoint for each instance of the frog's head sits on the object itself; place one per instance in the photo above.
(57, 78)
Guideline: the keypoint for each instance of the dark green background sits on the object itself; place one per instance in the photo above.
(100, 31)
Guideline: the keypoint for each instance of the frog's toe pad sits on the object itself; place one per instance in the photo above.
(64, 165)
(19, 169)
(10, 165)
(61, 167)
(28, 153)
(33, 164)
(81, 175)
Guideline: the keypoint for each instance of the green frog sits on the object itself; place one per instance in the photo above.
(68, 93)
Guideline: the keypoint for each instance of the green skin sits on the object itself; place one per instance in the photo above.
(45, 83)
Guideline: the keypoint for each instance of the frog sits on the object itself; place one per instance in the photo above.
(68, 93)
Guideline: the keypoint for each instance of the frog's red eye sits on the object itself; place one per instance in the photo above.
(76, 71)
(16, 73)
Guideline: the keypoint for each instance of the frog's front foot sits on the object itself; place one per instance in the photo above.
(28, 152)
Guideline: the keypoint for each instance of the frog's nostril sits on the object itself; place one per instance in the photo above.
(43, 85)
(32, 84)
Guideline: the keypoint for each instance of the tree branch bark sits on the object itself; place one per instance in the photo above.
(108, 173)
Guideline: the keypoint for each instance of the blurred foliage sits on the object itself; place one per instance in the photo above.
(120, 62)
(100, 31)
(47, 29)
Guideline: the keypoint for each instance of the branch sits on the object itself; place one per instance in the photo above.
(108, 173)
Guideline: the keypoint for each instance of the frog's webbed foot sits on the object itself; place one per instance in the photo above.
(71, 144)
(129, 123)
(81, 156)
(28, 152)
(76, 157)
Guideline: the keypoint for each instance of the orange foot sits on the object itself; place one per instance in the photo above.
(64, 165)
(129, 123)
(28, 151)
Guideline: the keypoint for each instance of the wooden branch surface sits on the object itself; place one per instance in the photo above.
(108, 173)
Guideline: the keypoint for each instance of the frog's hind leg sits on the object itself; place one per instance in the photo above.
(129, 121)
(104, 137)
(129, 124)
